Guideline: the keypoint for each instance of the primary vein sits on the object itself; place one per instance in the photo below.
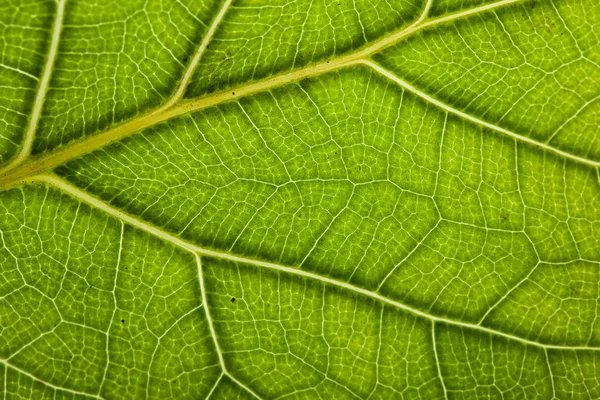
(173, 108)
(168, 237)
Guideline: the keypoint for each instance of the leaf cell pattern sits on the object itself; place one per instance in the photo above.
(287, 199)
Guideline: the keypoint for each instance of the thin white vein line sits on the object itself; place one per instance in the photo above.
(112, 318)
(42, 89)
(209, 395)
(19, 370)
(419, 25)
(5, 384)
(437, 360)
(207, 312)
(414, 249)
(99, 204)
(571, 118)
(466, 13)
(505, 296)
(194, 63)
(475, 120)
(211, 326)
(379, 343)
(240, 384)
(550, 373)
(27, 74)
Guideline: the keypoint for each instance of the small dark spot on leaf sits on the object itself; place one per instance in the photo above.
(233, 300)
(233, 93)
(123, 321)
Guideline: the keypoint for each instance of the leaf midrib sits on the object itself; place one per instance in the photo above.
(17, 173)
(22, 170)
(32, 170)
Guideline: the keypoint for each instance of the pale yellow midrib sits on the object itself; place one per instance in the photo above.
(34, 166)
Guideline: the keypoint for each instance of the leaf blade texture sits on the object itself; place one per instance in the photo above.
(353, 199)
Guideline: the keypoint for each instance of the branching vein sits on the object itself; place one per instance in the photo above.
(19, 174)
(99, 204)
(475, 120)
(42, 89)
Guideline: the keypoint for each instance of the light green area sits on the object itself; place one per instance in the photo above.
(461, 271)
(453, 244)
(289, 335)
(93, 306)
(576, 376)
(351, 234)
(289, 176)
(557, 303)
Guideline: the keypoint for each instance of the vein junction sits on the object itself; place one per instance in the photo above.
(20, 171)
(201, 251)
(34, 170)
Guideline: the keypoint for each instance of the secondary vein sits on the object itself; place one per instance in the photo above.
(55, 387)
(42, 89)
(168, 237)
(197, 57)
(389, 75)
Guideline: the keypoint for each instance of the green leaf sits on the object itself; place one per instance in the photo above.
(276, 199)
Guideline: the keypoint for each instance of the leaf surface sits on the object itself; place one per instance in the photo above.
(353, 199)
